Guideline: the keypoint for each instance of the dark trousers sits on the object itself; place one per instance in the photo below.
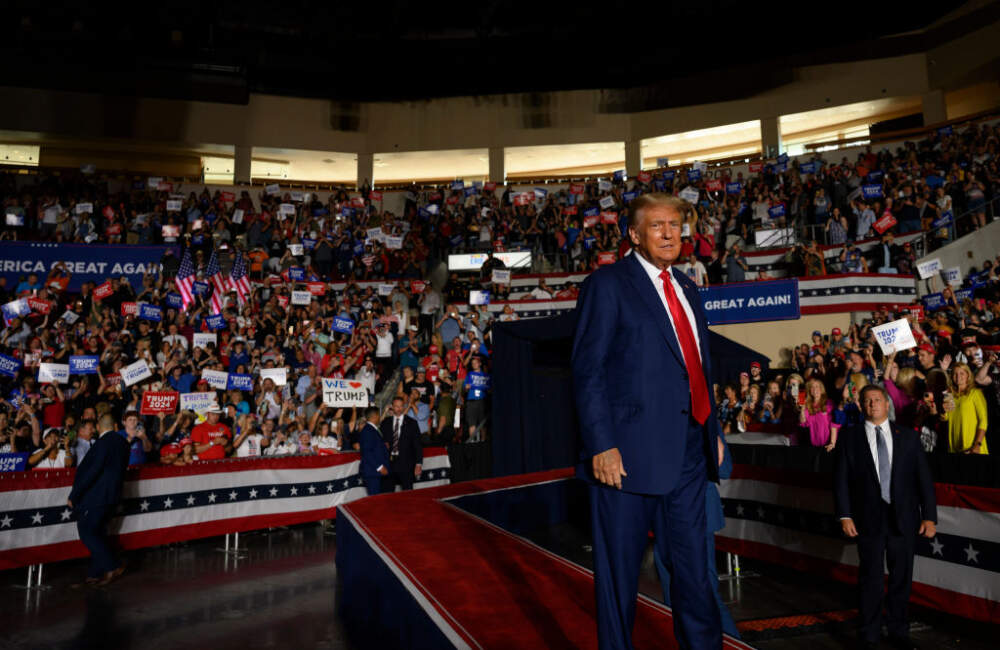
(897, 551)
(621, 524)
(91, 524)
(399, 474)
(373, 484)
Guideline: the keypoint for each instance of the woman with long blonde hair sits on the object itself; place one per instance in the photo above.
(965, 413)
(816, 415)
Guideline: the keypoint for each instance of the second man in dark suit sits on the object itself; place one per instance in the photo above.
(406, 454)
(884, 496)
(97, 489)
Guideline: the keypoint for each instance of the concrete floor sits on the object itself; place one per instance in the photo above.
(281, 595)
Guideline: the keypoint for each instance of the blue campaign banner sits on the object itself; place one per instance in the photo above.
(875, 176)
(782, 166)
(359, 247)
(424, 213)
(469, 191)
(347, 212)
(296, 273)
(777, 211)
(945, 130)
(933, 181)
(342, 325)
(86, 262)
(871, 191)
(669, 175)
(239, 382)
(946, 219)
(174, 300)
(201, 288)
(620, 175)
(216, 322)
(734, 188)
(16, 462)
(308, 243)
(150, 312)
(933, 301)
(9, 366)
(83, 365)
(15, 309)
(659, 186)
(591, 212)
(694, 175)
(457, 185)
(751, 302)
(629, 196)
(783, 158)
(963, 294)
(807, 168)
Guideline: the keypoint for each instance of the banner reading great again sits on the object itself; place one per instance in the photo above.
(86, 262)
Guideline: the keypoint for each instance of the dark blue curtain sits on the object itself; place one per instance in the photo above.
(534, 412)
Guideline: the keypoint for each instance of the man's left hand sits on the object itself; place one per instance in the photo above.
(417, 470)
(722, 450)
(928, 529)
(69, 503)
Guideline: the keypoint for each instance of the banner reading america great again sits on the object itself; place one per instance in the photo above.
(86, 262)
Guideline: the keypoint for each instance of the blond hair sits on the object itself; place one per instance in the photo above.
(953, 385)
(811, 404)
(660, 200)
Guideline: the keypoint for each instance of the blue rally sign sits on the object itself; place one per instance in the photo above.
(751, 302)
(85, 262)
(872, 191)
(343, 325)
(216, 322)
(9, 366)
(239, 382)
(83, 364)
(734, 188)
(13, 462)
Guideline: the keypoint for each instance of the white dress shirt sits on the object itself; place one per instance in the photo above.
(873, 444)
(654, 277)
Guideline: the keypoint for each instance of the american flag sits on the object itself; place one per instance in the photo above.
(238, 280)
(214, 275)
(185, 280)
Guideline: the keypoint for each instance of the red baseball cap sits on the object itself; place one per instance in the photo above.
(927, 347)
(836, 331)
(755, 364)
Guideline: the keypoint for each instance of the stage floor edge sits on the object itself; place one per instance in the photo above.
(417, 571)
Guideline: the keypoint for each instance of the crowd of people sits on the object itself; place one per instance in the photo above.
(354, 333)
(947, 387)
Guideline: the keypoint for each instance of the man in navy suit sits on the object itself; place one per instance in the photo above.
(374, 453)
(651, 437)
(406, 453)
(884, 496)
(97, 489)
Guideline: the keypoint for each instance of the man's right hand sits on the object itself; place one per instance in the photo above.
(847, 525)
(608, 468)
(383, 472)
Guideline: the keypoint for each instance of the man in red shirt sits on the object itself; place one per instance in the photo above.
(212, 439)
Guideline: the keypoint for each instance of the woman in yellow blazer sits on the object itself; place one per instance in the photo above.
(965, 413)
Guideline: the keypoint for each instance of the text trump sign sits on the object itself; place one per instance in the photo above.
(344, 393)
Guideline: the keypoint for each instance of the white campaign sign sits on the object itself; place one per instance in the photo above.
(700, 166)
(479, 297)
(607, 202)
(174, 205)
(301, 297)
(393, 243)
(386, 289)
(953, 276)
(286, 208)
(603, 186)
(295, 249)
(501, 276)
(374, 234)
(136, 372)
(56, 373)
(272, 189)
(215, 378)
(895, 336)
(689, 194)
(202, 339)
(344, 393)
(278, 375)
(84, 207)
(929, 268)
(198, 402)
(238, 215)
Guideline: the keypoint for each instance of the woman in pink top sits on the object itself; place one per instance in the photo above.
(817, 416)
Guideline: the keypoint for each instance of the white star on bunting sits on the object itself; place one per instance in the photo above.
(36, 518)
(190, 500)
(971, 554)
(253, 493)
(144, 506)
(66, 514)
(232, 495)
(937, 548)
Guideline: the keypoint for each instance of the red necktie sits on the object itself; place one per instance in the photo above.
(700, 407)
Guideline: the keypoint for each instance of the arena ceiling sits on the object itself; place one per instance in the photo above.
(651, 55)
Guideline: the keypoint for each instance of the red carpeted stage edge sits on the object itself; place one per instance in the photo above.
(446, 567)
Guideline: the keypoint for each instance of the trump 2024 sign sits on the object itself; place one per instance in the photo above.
(750, 302)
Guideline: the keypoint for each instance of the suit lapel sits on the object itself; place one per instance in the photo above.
(648, 296)
(866, 453)
(694, 299)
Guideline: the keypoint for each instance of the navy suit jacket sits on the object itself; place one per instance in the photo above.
(411, 451)
(99, 478)
(857, 491)
(373, 451)
(630, 380)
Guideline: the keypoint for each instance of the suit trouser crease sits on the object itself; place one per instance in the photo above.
(621, 522)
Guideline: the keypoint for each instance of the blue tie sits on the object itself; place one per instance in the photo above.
(884, 470)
